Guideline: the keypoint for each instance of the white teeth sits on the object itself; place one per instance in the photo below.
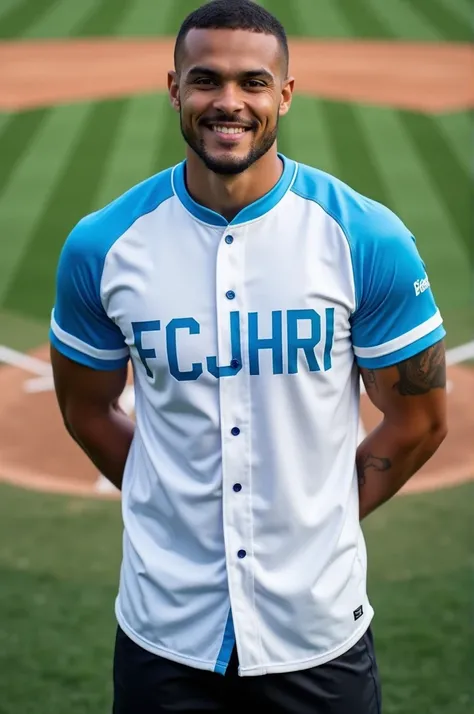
(228, 130)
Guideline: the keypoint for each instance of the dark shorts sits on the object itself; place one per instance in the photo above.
(147, 684)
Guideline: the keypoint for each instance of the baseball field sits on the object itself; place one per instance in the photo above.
(384, 96)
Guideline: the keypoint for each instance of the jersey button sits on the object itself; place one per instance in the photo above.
(234, 363)
(230, 295)
(237, 487)
(229, 239)
(242, 553)
(235, 431)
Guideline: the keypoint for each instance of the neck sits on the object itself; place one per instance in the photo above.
(227, 195)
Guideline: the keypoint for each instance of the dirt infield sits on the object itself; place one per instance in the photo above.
(427, 77)
(36, 451)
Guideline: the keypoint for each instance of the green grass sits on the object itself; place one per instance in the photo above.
(59, 566)
(405, 19)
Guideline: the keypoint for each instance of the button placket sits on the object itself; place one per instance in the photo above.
(234, 412)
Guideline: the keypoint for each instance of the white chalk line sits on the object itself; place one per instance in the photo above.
(43, 382)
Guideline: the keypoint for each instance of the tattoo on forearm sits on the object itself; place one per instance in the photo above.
(376, 463)
(423, 372)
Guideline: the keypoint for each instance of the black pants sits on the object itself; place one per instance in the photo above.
(147, 684)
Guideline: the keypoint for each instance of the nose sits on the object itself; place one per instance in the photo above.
(229, 99)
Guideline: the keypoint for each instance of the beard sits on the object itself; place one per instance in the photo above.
(229, 165)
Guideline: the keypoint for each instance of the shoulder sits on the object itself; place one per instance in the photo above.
(94, 235)
(365, 223)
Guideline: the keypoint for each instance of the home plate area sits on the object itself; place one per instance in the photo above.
(36, 451)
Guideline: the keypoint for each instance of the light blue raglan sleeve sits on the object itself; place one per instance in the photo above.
(396, 315)
(80, 328)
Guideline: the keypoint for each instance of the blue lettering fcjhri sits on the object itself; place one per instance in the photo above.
(300, 351)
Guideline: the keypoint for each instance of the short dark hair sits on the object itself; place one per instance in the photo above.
(232, 15)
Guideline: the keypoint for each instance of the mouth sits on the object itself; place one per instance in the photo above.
(228, 133)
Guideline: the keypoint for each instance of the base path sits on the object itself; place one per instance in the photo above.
(37, 452)
(427, 77)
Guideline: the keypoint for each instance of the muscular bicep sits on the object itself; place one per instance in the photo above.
(83, 391)
(412, 392)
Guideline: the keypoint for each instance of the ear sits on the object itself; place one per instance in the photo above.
(286, 96)
(173, 90)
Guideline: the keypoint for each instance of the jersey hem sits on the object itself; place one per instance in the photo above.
(294, 666)
(300, 665)
(160, 651)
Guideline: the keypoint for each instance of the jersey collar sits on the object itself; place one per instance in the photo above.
(249, 213)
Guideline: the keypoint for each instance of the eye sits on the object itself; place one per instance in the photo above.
(204, 81)
(254, 83)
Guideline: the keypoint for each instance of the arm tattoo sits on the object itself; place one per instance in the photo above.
(423, 372)
(370, 380)
(377, 463)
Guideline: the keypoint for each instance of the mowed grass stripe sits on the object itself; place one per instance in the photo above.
(443, 17)
(4, 119)
(145, 18)
(447, 173)
(22, 16)
(133, 157)
(464, 9)
(17, 134)
(62, 20)
(286, 12)
(353, 151)
(458, 132)
(28, 191)
(320, 19)
(104, 19)
(364, 20)
(303, 135)
(6, 7)
(415, 200)
(73, 196)
(404, 21)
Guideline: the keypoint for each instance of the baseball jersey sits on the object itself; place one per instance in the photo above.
(240, 495)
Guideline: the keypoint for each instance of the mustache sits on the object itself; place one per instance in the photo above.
(231, 118)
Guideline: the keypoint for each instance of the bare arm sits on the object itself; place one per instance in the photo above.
(88, 400)
(412, 398)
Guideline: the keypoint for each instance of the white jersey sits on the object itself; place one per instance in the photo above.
(240, 496)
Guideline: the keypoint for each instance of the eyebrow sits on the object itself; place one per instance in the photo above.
(248, 74)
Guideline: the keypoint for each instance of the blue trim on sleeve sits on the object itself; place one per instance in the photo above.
(392, 294)
(249, 213)
(78, 308)
(227, 646)
(423, 343)
(82, 358)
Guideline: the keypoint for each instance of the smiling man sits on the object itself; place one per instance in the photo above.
(249, 293)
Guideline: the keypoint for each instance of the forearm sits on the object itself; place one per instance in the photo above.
(106, 440)
(388, 458)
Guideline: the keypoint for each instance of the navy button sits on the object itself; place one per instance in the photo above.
(230, 294)
(241, 553)
(235, 431)
(229, 239)
(237, 487)
(234, 363)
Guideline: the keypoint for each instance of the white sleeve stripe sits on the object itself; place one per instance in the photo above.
(403, 341)
(80, 346)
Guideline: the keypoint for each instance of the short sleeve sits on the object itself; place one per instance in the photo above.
(396, 315)
(80, 328)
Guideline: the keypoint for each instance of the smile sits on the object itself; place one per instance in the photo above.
(229, 130)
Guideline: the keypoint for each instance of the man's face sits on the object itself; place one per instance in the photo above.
(230, 91)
